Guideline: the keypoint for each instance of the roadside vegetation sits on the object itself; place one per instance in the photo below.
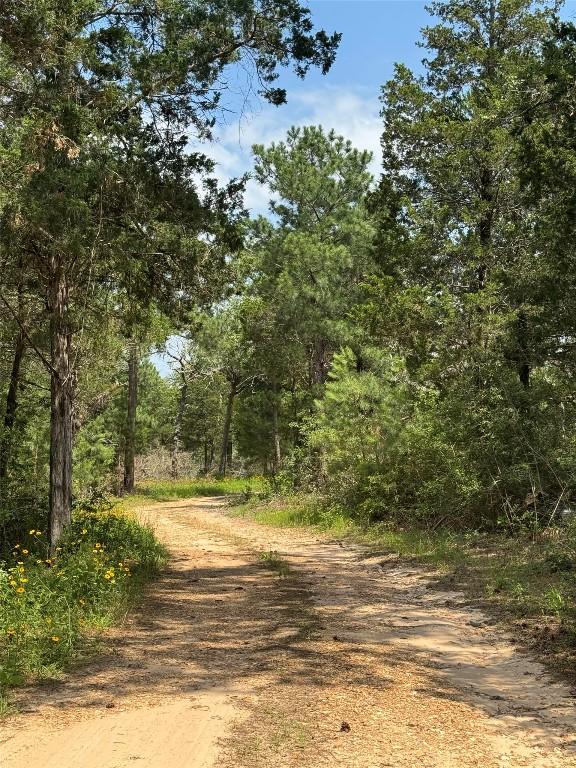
(54, 605)
(151, 491)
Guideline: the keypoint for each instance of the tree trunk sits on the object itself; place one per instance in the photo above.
(524, 362)
(208, 454)
(226, 434)
(119, 472)
(319, 362)
(177, 442)
(276, 431)
(11, 406)
(485, 226)
(61, 395)
(130, 432)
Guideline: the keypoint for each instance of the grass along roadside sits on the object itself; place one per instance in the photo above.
(51, 609)
(158, 491)
(526, 580)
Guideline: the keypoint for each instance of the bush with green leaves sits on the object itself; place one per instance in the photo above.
(384, 444)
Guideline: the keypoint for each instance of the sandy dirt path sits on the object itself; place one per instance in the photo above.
(345, 660)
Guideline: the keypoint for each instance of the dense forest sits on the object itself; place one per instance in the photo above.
(402, 346)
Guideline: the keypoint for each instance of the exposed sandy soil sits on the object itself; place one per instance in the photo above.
(348, 660)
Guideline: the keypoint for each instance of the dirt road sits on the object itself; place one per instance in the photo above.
(341, 660)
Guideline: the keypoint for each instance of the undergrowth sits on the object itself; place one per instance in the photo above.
(51, 606)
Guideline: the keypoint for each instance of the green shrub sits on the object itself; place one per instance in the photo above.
(425, 453)
(48, 604)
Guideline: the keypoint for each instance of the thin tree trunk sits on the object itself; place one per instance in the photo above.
(276, 431)
(130, 432)
(119, 472)
(524, 363)
(61, 391)
(177, 442)
(226, 434)
(208, 454)
(485, 226)
(11, 406)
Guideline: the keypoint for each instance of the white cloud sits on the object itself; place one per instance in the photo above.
(350, 112)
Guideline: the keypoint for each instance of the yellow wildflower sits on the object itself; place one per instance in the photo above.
(24, 551)
(20, 590)
(55, 639)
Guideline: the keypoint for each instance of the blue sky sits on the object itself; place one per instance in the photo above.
(376, 34)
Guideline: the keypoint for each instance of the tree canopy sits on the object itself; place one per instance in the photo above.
(401, 345)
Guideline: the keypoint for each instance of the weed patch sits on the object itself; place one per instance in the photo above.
(51, 605)
(274, 562)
